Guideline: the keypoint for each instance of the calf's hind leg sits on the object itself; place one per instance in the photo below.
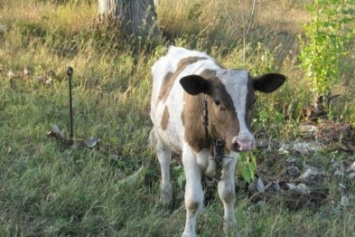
(164, 157)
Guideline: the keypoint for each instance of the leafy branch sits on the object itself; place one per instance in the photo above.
(324, 44)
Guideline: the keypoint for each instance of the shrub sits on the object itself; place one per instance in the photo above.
(324, 44)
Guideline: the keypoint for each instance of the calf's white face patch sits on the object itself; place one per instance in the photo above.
(237, 84)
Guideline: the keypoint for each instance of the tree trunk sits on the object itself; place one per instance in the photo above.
(136, 17)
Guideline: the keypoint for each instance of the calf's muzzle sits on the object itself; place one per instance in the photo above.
(243, 142)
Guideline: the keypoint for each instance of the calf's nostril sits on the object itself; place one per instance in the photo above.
(243, 143)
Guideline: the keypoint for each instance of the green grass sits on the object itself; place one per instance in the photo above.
(47, 189)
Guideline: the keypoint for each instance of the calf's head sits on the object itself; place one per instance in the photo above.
(230, 96)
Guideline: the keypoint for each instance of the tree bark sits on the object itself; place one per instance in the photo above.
(136, 17)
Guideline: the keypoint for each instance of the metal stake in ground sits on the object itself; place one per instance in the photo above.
(71, 135)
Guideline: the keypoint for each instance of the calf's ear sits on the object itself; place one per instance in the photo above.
(195, 84)
(268, 82)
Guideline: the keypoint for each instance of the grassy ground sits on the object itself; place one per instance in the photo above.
(47, 189)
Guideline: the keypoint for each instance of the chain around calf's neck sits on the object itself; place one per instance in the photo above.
(217, 145)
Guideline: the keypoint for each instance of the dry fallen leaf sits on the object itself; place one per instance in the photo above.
(291, 160)
(284, 148)
(302, 188)
(301, 148)
(56, 133)
(51, 197)
(27, 72)
(352, 167)
(92, 142)
(11, 74)
(344, 202)
(260, 186)
(293, 170)
(55, 129)
(308, 173)
(304, 148)
(308, 128)
(342, 187)
(291, 186)
(352, 176)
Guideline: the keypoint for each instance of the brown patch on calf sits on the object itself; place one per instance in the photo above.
(223, 120)
(192, 116)
(165, 118)
(166, 86)
(170, 77)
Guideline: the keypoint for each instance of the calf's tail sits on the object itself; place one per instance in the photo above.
(152, 139)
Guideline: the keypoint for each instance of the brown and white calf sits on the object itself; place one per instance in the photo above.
(183, 82)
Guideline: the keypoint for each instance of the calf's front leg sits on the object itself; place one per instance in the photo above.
(193, 192)
(226, 191)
